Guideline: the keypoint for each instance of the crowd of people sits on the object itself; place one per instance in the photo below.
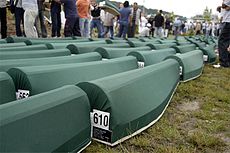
(83, 16)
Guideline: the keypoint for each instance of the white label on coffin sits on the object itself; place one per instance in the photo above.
(181, 70)
(141, 64)
(205, 58)
(100, 119)
(21, 94)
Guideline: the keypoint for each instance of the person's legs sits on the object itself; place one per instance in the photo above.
(125, 30)
(29, 20)
(121, 28)
(19, 12)
(42, 24)
(68, 30)
(58, 24)
(82, 26)
(92, 25)
(86, 32)
(223, 43)
(99, 28)
(54, 23)
(3, 22)
(111, 31)
(76, 28)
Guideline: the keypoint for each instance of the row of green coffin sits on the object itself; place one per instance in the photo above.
(59, 120)
(38, 79)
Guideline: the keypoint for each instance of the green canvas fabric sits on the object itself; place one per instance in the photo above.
(115, 41)
(167, 41)
(184, 43)
(109, 53)
(185, 48)
(192, 64)
(22, 39)
(141, 44)
(7, 89)
(88, 47)
(43, 41)
(2, 41)
(109, 6)
(135, 99)
(33, 54)
(55, 121)
(25, 48)
(152, 57)
(7, 64)
(7, 45)
(210, 52)
(163, 46)
(38, 79)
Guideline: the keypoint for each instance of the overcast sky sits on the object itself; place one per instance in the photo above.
(186, 8)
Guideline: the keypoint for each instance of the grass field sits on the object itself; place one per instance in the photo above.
(197, 120)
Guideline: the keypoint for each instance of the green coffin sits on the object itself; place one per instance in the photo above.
(185, 48)
(26, 48)
(33, 54)
(110, 7)
(55, 121)
(2, 41)
(7, 64)
(7, 89)
(210, 54)
(88, 47)
(133, 100)
(38, 79)
(22, 39)
(191, 63)
(152, 57)
(43, 41)
(118, 52)
(162, 46)
(167, 41)
(7, 45)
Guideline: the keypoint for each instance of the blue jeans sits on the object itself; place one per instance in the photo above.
(19, 19)
(123, 29)
(108, 29)
(84, 27)
(56, 23)
(96, 23)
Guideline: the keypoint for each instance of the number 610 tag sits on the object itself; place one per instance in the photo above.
(100, 119)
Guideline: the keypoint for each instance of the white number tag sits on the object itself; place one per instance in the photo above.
(21, 94)
(100, 119)
(205, 58)
(181, 70)
(141, 65)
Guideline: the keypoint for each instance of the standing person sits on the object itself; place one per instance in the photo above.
(135, 20)
(83, 7)
(224, 38)
(30, 14)
(96, 19)
(3, 18)
(40, 18)
(108, 24)
(56, 18)
(167, 27)
(198, 28)
(18, 14)
(159, 23)
(72, 19)
(124, 20)
(177, 27)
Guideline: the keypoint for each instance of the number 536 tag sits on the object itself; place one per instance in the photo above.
(100, 119)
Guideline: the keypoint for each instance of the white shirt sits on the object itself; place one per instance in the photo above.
(2, 3)
(226, 15)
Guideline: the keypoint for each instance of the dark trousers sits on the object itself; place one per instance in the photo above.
(40, 17)
(19, 19)
(132, 29)
(3, 22)
(56, 23)
(223, 43)
(72, 27)
(123, 29)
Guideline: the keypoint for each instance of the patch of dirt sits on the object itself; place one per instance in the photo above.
(189, 125)
(190, 106)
